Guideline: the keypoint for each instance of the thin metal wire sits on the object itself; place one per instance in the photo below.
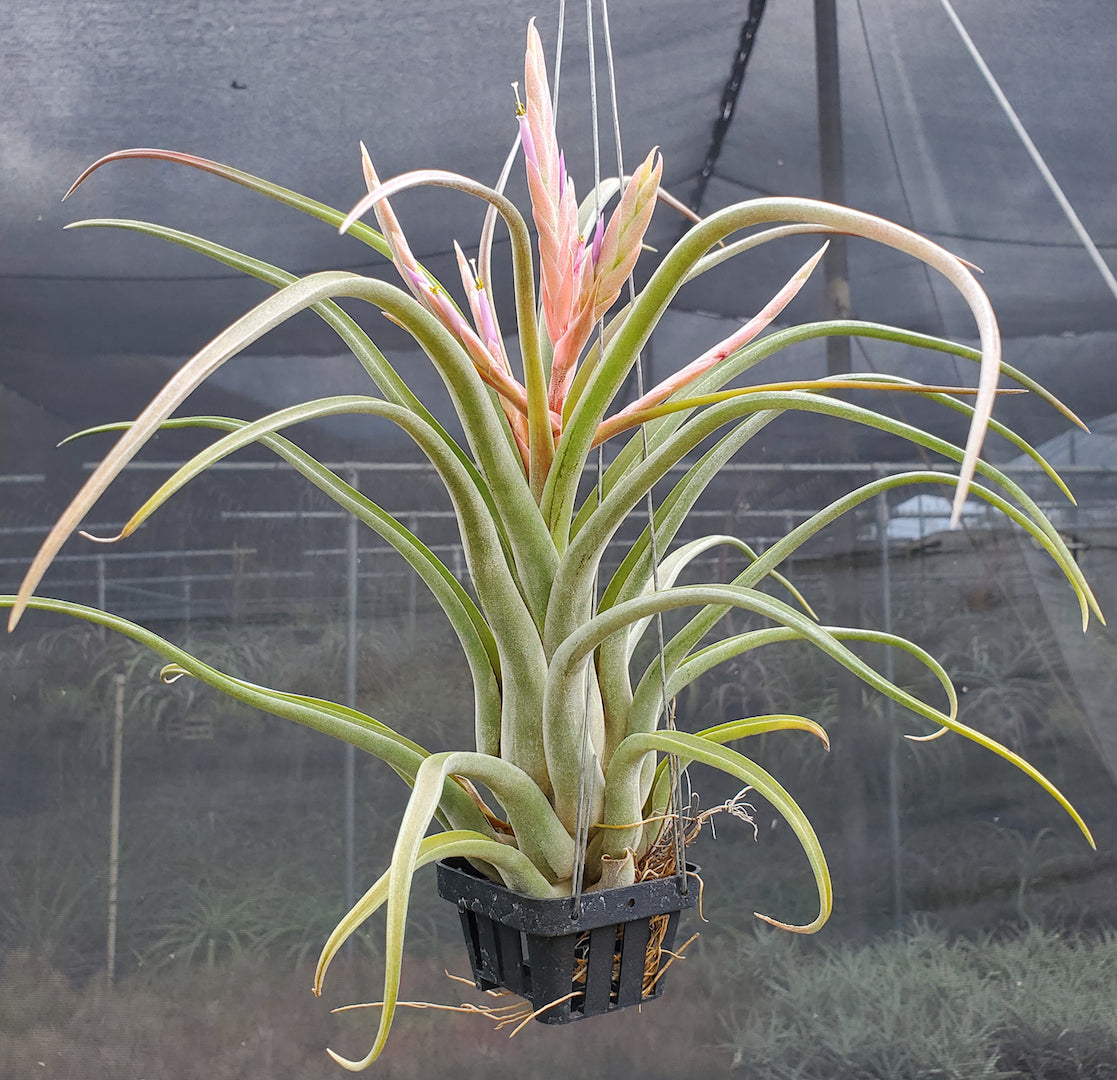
(595, 125)
(668, 712)
(1037, 158)
(889, 138)
(558, 59)
(582, 824)
(581, 830)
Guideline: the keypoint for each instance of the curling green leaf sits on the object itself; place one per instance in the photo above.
(338, 721)
(570, 658)
(622, 807)
(416, 819)
(469, 624)
(730, 731)
(514, 866)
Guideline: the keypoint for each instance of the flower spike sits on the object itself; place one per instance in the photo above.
(602, 276)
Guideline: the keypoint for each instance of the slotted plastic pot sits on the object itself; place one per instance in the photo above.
(568, 967)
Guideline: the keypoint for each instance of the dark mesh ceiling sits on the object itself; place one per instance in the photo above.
(285, 90)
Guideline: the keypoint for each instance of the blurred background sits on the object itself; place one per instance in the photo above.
(974, 929)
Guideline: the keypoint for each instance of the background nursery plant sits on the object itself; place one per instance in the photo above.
(575, 744)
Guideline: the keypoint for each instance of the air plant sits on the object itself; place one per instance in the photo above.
(563, 725)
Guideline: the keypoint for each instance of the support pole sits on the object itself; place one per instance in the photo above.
(412, 587)
(352, 562)
(101, 601)
(114, 825)
(851, 750)
(888, 669)
(835, 269)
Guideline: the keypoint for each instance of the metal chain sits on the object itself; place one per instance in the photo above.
(728, 99)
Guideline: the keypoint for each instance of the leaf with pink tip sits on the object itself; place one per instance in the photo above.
(402, 255)
(541, 422)
(254, 183)
(737, 340)
(620, 247)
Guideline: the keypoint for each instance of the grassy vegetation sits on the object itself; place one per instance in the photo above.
(1029, 1004)
(1032, 1005)
(232, 875)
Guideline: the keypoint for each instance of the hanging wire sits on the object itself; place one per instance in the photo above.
(890, 139)
(581, 838)
(668, 712)
(899, 405)
(595, 125)
(581, 830)
(1037, 158)
(558, 59)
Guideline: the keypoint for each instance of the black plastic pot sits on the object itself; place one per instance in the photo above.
(569, 968)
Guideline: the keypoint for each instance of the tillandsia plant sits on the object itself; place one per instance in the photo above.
(565, 726)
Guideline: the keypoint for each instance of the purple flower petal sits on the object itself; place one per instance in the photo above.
(598, 236)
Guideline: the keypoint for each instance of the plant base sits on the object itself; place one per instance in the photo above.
(610, 955)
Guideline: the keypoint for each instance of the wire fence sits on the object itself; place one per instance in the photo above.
(266, 548)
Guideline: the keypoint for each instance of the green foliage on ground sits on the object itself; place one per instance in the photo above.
(915, 1007)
